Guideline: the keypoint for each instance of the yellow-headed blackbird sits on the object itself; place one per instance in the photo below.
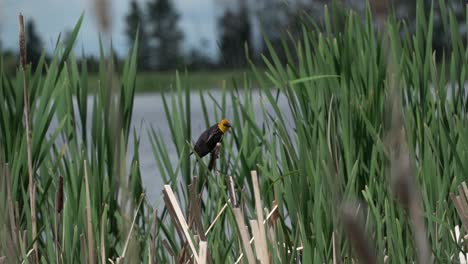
(208, 139)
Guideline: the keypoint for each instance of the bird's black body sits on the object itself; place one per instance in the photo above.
(208, 140)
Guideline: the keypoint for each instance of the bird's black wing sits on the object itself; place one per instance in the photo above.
(204, 144)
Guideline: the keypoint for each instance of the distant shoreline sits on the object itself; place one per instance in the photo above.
(198, 80)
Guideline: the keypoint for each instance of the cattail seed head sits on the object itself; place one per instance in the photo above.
(22, 43)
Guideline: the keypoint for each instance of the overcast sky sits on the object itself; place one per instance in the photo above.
(55, 16)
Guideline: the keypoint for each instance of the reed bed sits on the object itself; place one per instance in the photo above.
(367, 164)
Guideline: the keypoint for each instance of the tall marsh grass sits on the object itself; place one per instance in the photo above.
(361, 167)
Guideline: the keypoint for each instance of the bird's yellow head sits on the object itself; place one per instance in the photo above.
(224, 125)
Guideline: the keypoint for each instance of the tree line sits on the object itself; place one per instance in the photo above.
(161, 38)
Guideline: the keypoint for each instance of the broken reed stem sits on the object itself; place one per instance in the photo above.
(172, 204)
(272, 212)
(32, 204)
(263, 254)
(217, 217)
(203, 252)
(244, 235)
(461, 204)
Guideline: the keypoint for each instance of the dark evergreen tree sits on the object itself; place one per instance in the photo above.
(235, 29)
(164, 35)
(34, 44)
(134, 23)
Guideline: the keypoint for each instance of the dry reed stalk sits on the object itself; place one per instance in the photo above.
(232, 191)
(254, 226)
(336, 252)
(217, 217)
(244, 235)
(171, 211)
(461, 204)
(272, 214)
(32, 202)
(131, 227)
(28, 255)
(172, 204)
(357, 235)
(262, 250)
(203, 252)
(168, 248)
(89, 227)
(151, 257)
(183, 254)
(195, 210)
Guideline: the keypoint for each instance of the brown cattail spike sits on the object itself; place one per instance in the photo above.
(22, 43)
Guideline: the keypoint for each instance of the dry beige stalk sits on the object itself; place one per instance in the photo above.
(461, 204)
(171, 211)
(32, 201)
(195, 210)
(336, 250)
(174, 205)
(271, 214)
(244, 235)
(203, 252)
(217, 217)
(232, 191)
(168, 247)
(257, 240)
(262, 250)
